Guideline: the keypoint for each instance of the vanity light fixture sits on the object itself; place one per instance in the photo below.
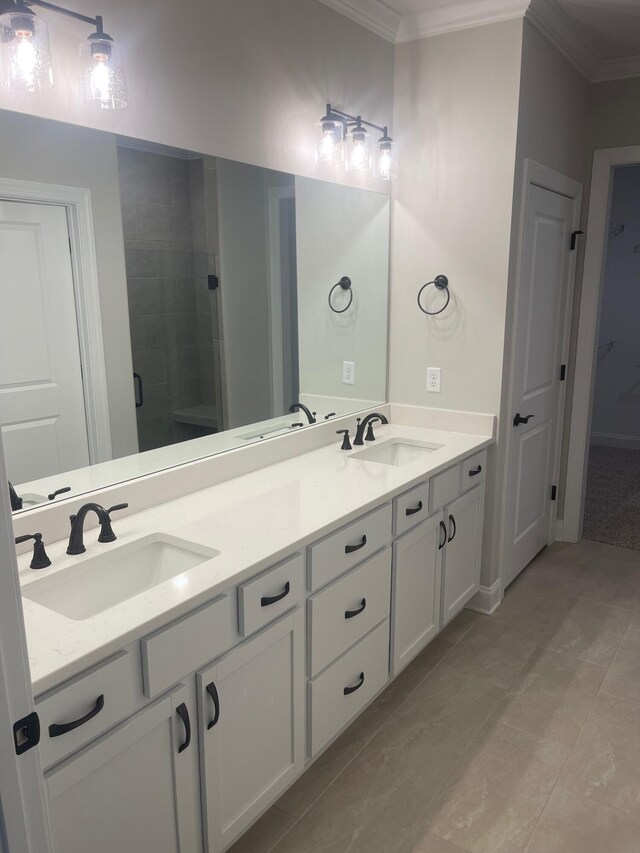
(26, 57)
(344, 138)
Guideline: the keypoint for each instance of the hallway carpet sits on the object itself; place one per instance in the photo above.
(612, 505)
(516, 733)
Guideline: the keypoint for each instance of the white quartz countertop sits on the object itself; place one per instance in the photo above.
(254, 521)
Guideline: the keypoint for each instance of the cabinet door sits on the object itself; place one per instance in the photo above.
(463, 553)
(251, 711)
(134, 789)
(417, 563)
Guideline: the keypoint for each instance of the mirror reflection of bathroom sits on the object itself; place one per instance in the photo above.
(612, 504)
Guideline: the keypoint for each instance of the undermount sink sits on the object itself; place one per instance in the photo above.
(95, 584)
(396, 451)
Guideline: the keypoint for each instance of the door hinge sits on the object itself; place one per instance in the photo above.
(554, 492)
(214, 282)
(26, 733)
(574, 236)
(563, 372)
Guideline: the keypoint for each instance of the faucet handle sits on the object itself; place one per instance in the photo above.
(40, 560)
(116, 508)
(346, 444)
(330, 415)
(106, 531)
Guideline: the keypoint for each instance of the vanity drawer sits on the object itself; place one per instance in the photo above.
(445, 487)
(343, 690)
(344, 612)
(264, 598)
(410, 508)
(173, 652)
(94, 702)
(474, 470)
(335, 554)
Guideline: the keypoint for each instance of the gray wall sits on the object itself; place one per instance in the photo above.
(54, 153)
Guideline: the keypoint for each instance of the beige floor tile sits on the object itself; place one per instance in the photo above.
(265, 833)
(431, 843)
(301, 796)
(605, 761)
(552, 696)
(498, 791)
(635, 620)
(540, 611)
(590, 631)
(460, 625)
(495, 649)
(575, 824)
(623, 677)
(612, 582)
(412, 675)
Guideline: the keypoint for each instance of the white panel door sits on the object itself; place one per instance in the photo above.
(543, 286)
(42, 413)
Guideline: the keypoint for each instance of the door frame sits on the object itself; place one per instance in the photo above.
(537, 175)
(604, 162)
(86, 284)
(22, 796)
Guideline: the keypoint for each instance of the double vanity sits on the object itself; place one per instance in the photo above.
(188, 673)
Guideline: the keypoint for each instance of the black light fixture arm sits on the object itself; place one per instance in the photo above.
(96, 22)
(348, 120)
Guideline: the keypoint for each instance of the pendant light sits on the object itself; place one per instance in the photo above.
(104, 84)
(330, 145)
(344, 138)
(385, 160)
(24, 49)
(359, 157)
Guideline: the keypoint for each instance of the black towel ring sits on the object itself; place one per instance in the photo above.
(345, 284)
(442, 283)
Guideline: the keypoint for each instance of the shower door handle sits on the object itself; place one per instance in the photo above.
(139, 390)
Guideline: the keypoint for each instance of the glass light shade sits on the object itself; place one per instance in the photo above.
(24, 46)
(359, 151)
(104, 84)
(330, 144)
(386, 161)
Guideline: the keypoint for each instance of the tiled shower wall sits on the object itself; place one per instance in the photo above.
(170, 304)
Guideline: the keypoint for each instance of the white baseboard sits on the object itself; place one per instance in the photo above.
(487, 599)
(627, 442)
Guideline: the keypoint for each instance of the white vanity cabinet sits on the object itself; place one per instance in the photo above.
(462, 552)
(134, 789)
(251, 718)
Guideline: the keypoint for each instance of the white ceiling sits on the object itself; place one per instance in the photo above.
(602, 37)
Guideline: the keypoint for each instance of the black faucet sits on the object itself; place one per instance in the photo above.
(362, 425)
(76, 539)
(40, 560)
(16, 502)
(300, 407)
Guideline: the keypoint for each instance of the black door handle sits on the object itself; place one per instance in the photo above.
(475, 471)
(139, 391)
(348, 690)
(443, 527)
(520, 420)
(212, 690)
(349, 614)
(183, 712)
(57, 729)
(265, 601)
(414, 509)
(349, 549)
(452, 535)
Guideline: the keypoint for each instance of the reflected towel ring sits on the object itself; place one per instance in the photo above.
(442, 283)
(345, 284)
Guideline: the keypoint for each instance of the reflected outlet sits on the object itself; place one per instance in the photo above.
(348, 373)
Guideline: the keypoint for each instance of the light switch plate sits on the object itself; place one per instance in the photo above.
(434, 380)
(348, 373)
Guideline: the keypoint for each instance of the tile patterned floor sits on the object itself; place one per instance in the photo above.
(518, 733)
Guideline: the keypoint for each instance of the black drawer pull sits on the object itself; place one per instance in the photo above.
(183, 712)
(452, 522)
(348, 690)
(57, 729)
(349, 549)
(349, 614)
(414, 509)
(476, 471)
(267, 600)
(443, 541)
(212, 690)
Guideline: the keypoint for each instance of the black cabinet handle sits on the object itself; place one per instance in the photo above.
(212, 690)
(349, 614)
(414, 509)
(443, 541)
(265, 601)
(348, 690)
(139, 391)
(57, 729)
(183, 712)
(349, 549)
(452, 522)
(520, 420)
(476, 471)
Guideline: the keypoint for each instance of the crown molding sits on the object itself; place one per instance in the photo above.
(617, 69)
(372, 14)
(554, 23)
(461, 16)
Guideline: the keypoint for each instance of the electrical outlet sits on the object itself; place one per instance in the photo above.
(348, 373)
(434, 379)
